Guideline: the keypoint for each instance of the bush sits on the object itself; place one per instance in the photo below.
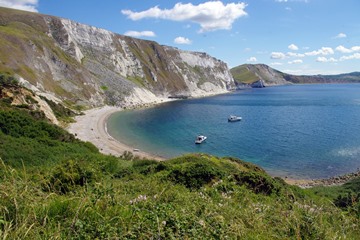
(257, 182)
(21, 124)
(195, 174)
(347, 200)
(7, 80)
(67, 176)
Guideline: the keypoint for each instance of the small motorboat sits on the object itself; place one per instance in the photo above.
(233, 118)
(200, 139)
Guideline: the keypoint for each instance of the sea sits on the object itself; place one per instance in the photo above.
(295, 131)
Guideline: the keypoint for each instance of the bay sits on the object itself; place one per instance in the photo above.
(299, 131)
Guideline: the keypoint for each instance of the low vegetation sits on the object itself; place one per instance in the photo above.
(243, 75)
(53, 186)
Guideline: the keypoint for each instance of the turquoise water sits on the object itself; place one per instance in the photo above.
(301, 131)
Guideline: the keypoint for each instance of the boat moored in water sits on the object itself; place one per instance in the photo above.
(200, 139)
(233, 118)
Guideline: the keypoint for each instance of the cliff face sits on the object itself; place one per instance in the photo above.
(86, 65)
(261, 75)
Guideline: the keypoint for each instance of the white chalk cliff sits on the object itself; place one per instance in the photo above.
(90, 66)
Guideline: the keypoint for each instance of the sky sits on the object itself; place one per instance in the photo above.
(302, 37)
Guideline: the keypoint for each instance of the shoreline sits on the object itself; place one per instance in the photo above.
(328, 182)
(91, 127)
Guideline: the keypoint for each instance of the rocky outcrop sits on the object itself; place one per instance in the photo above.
(85, 65)
(332, 181)
(26, 99)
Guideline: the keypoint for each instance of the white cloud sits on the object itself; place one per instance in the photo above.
(321, 51)
(27, 5)
(251, 59)
(293, 47)
(276, 64)
(140, 34)
(324, 59)
(247, 49)
(277, 55)
(350, 57)
(356, 49)
(343, 49)
(211, 16)
(297, 61)
(291, 54)
(341, 35)
(182, 40)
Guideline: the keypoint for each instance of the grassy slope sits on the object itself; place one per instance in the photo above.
(54, 186)
(249, 73)
(241, 74)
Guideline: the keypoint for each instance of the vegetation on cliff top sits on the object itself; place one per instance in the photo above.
(250, 73)
(53, 186)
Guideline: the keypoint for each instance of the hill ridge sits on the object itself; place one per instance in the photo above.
(260, 75)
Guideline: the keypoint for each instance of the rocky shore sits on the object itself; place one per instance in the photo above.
(333, 181)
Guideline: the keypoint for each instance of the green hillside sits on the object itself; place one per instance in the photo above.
(250, 73)
(53, 186)
(242, 74)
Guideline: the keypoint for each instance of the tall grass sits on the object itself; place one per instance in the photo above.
(151, 204)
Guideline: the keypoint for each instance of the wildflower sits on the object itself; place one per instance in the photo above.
(140, 198)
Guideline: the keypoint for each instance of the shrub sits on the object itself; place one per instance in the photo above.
(347, 200)
(257, 182)
(7, 80)
(195, 174)
(21, 124)
(67, 176)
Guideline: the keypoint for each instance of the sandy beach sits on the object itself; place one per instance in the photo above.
(91, 127)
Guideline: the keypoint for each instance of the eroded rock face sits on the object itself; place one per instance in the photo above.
(92, 66)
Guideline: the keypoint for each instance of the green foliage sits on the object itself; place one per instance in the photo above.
(65, 177)
(346, 196)
(90, 204)
(62, 113)
(33, 142)
(347, 200)
(104, 88)
(137, 80)
(18, 124)
(128, 156)
(258, 182)
(195, 173)
(5, 101)
(8, 80)
(241, 74)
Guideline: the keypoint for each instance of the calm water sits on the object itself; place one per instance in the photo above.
(303, 131)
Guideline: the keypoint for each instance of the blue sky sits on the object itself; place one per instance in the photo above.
(294, 36)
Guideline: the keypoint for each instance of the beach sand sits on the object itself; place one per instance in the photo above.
(91, 127)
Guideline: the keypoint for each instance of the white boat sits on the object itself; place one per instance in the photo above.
(200, 139)
(233, 118)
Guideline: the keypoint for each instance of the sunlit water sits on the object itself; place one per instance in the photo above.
(302, 131)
